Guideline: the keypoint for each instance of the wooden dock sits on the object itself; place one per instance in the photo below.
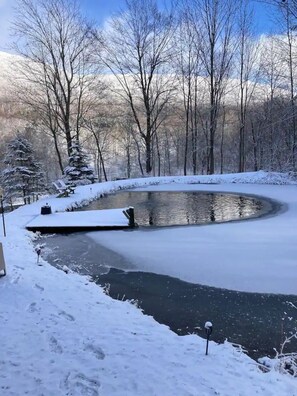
(66, 222)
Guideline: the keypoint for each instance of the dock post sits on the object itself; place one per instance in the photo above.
(130, 212)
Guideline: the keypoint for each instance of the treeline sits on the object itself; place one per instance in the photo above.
(187, 89)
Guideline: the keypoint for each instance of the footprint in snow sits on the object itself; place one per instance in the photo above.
(39, 287)
(67, 316)
(80, 385)
(54, 345)
(16, 280)
(96, 350)
(32, 307)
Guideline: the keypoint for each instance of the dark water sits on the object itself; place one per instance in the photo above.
(259, 322)
(81, 254)
(184, 208)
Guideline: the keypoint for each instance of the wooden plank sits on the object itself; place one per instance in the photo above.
(70, 229)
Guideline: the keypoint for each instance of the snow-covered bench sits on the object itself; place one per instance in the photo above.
(63, 189)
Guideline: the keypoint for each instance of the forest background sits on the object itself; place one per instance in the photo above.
(186, 87)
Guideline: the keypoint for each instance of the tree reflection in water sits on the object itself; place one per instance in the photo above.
(184, 208)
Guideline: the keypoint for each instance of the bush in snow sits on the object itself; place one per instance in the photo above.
(283, 362)
(23, 176)
(78, 171)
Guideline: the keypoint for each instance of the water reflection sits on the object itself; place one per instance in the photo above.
(184, 208)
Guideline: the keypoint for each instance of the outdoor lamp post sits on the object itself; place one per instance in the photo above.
(2, 211)
(208, 331)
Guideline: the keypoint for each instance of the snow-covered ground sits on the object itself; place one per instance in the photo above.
(61, 335)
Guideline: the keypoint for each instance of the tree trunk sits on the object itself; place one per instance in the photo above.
(254, 147)
(222, 142)
(58, 152)
(148, 155)
(100, 155)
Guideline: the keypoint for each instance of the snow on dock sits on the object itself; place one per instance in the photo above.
(81, 221)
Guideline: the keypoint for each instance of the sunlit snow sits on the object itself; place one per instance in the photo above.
(61, 335)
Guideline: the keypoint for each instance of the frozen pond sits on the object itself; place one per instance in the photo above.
(257, 321)
(184, 208)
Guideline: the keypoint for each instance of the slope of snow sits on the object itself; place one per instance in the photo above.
(7, 70)
(61, 335)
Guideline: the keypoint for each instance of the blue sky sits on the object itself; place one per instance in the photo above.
(100, 10)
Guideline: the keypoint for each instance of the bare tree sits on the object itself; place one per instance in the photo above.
(56, 44)
(271, 71)
(248, 74)
(138, 50)
(286, 15)
(99, 131)
(188, 66)
(289, 13)
(215, 24)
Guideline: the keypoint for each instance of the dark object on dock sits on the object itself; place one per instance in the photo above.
(129, 213)
(45, 210)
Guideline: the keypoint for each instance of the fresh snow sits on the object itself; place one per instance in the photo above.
(61, 335)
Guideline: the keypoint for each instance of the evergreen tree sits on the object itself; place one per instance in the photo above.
(78, 171)
(22, 176)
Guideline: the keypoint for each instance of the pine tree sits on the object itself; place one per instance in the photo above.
(22, 176)
(78, 171)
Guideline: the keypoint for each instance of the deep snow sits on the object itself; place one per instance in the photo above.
(61, 335)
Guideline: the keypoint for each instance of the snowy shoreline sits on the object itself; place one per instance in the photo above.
(62, 335)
